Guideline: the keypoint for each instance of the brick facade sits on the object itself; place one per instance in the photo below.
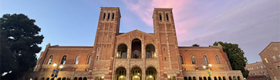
(271, 59)
(257, 69)
(135, 55)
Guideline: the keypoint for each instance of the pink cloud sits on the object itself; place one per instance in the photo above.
(144, 10)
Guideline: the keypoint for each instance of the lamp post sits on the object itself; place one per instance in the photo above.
(55, 65)
(208, 70)
(55, 71)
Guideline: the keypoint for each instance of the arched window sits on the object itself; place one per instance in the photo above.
(104, 15)
(160, 18)
(89, 59)
(204, 78)
(108, 16)
(182, 62)
(85, 78)
(167, 18)
(205, 59)
(77, 60)
(150, 51)
(136, 49)
(274, 58)
(193, 60)
(50, 59)
(68, 78)
(218, 60)
(122, 51)
(164, 58)
(96, 58)
(113, 16)
(63, 60)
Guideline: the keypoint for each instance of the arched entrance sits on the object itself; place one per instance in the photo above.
(120, 74)
(150, 51)
(151, 73)
(136, 49)
(122, 51)
(136, 73)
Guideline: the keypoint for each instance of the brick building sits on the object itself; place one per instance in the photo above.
(134, 55)
(257, 70)
(271, 59)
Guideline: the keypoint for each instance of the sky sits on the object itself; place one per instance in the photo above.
(252, 24)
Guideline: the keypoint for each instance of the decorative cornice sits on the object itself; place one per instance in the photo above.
(135, 31)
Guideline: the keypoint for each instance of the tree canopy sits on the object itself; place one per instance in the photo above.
(235, 56)
(19, 45)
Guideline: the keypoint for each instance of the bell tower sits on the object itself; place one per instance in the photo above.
(169, 58)
(108, 27)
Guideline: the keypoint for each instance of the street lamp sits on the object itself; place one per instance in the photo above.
(207, 66)
(208, 69)
(204, 67)
(57, 66)
(210, 65)
(55, 71)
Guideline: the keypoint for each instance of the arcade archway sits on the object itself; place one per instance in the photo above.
(151, 74)
(120, 74)
(136, 73)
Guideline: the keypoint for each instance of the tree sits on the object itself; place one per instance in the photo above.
(19, 45)
(7, 62)
(235, 56)
(195, 45)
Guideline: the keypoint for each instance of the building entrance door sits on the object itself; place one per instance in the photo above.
(135, 78)
(151, 73)
(136, 73)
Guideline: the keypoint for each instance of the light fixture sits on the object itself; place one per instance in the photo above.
(168, 76)
(136, 76)
(121, 76)
(102, 77)
(204, 67)
(61, 66)
(150, 76)
(210, 65)
(54, 65)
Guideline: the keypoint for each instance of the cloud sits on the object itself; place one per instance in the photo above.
(252, 25)
(144, 10)
(244, 22)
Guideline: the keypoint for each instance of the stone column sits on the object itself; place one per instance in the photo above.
(128, 52)
(226, 77)
(128, 74)
(143, 52)
(197, 77)
(144, 73)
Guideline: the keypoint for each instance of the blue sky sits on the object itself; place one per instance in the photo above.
(252, 24)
